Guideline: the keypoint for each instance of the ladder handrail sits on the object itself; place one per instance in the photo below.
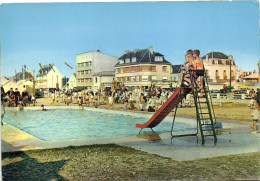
(212, 107)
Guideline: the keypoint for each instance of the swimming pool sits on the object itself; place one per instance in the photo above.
(70, 124)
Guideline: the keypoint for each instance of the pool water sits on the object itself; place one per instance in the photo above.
(69, 124)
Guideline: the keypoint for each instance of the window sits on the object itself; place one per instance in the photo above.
(127, 79)
(82, 72)
(82, 80)
(145, 68)
(164, 78)
(78, 72)
(220, 62)
(153, 77)
(217, 75)
(227, 62)
(133, 59)
(121, 61)
(225, 74)
(154, 68)
(132, 79)
(158, 58)
(127, 60)
(164, 68)
(145, 78)
(96, 79)
(137, 78)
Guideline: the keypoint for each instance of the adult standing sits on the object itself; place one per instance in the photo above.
(258, 96)
(17, 96)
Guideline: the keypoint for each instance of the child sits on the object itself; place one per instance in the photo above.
(126, 104)
(33, 99)
(255, 116)
(42, 108)
(87, 100)
(111, 101)
(96, 100)
(132, 106)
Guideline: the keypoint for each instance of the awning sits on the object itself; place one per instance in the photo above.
(80, 88)
(243, 87)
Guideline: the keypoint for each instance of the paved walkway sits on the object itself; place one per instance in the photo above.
(236, 139)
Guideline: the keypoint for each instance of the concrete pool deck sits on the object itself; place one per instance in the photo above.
(182, 148)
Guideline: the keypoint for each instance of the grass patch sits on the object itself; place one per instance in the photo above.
(113, 162)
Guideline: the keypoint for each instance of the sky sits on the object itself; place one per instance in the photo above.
(56, 32)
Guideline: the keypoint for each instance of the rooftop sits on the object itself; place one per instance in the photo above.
(219, 55)
(142, 56)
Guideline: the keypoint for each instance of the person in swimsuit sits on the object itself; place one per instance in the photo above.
(199, 69)
(189, 59)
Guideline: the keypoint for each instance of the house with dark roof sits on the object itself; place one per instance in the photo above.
(142, 67)
(220, 68)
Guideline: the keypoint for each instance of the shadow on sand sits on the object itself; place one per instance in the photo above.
(27, 168)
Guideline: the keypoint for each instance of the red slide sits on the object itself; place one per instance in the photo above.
(166, 108)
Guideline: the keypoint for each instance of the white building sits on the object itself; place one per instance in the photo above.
(91, 63)
(49, 78)
(21, 85)
(72, 81)
(102, 80)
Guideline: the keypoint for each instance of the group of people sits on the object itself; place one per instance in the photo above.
(89, 98)
(139, 99)
(16, 99)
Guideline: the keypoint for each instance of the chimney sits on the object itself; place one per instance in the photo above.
(136, 50)
(151, 49)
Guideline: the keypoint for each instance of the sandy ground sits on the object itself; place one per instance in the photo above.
(228, 111)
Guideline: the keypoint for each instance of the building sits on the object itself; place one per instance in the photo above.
(176, 75)
(21, 85)
(23, 76)
(102, 80)
(143, 68)
(49, 77)
(218, 66)
(72, 83)
(90, 64)
(251, 78)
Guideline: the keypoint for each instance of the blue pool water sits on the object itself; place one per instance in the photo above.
(60, 124)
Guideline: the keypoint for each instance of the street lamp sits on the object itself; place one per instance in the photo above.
(230, 58)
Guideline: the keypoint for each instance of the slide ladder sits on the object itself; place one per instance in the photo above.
(204, 113)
